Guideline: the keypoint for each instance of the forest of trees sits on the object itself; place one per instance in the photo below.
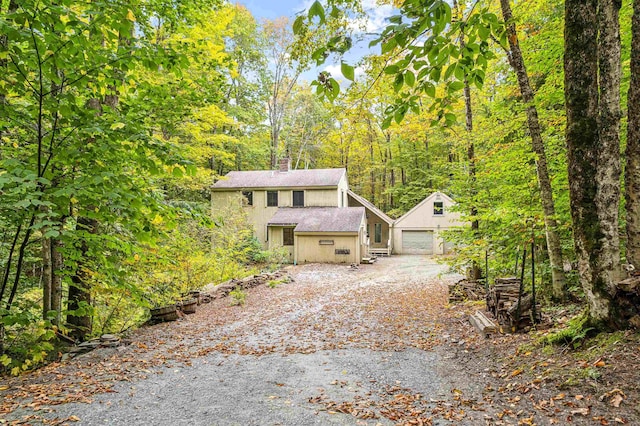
(115, 118)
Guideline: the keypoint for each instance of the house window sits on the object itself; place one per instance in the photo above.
(247, 198)
(438, 208)
(378, 233)
(272, 198)
(298, 198)
(287, 236)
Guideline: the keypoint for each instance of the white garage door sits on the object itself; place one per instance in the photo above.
(417, 242)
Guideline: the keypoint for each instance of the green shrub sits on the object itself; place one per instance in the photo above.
(28, 340)
(574, 334)
(275, 283)
(238, 296)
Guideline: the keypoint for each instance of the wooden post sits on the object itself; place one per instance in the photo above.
(514, 328)
(533, 277)
(486, 269)
(515, 272)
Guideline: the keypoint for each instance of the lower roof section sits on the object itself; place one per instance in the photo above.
(319, 219)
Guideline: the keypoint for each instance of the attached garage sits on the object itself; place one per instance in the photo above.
(417, 242)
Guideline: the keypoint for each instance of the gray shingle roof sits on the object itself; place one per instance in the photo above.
(275, 179)
(320, 219)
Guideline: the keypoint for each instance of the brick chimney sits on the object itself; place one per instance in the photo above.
(285, 164)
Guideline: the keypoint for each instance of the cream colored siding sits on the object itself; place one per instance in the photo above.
(309, 249)
(321, 198)
(221, 200)
(373, 219)
(259, 214)
(275, 241)
(422, 218)
(343, 188)
(371, 226)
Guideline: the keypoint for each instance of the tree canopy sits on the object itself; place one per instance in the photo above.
(116, 118)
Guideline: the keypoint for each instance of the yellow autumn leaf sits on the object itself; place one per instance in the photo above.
(131, 16)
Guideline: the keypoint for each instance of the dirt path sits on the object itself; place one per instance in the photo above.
(372, 346)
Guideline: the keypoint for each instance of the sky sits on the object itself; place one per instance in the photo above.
(271, 9)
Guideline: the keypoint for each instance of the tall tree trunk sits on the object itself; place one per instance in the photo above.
(632, 169)
(80, 300)
(372, 173)
(47, 277)
(275, 141)
(384, 156)
(392, 176)
(3, 44)
(475, 272)
(79, 319)
(51, 279)
(608, 173)
(56, 281)
(593, 155)
(546, 193)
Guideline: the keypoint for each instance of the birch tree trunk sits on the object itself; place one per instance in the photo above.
(608, 172)
(632, 169)
(546, 193)
(592, 148)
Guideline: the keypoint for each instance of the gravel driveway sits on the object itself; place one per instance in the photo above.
(336, 346)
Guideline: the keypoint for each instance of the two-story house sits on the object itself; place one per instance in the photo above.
(304, 211)
(316, 217)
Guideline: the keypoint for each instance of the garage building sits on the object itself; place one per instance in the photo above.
(419, 231)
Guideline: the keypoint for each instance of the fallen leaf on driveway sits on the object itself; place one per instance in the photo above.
(615, 397)
(581, 411)
(599, 363)
(616, 400)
